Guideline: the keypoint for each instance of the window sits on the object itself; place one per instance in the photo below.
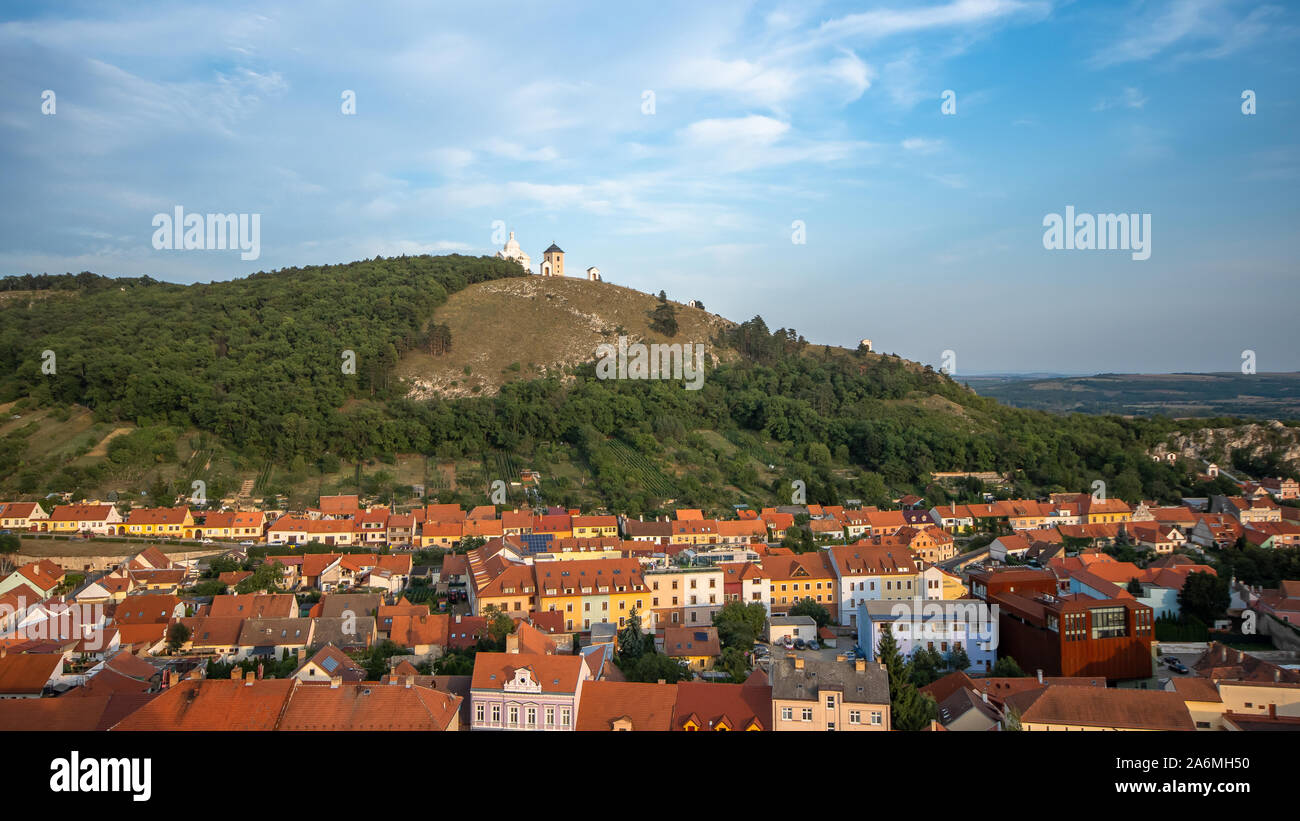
(550, 716)
(830, 701)
(532, 716)
(787, 713)
(807, 714)
(855, 716)
(1108, 622)
(876, 717)
(496, 713)
(479, 713)
(564, 717)
(514, 716)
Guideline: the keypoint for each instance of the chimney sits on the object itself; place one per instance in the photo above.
(860, 665)
(237, 674)
(1277, 674)
(248, 682)
(458, 618)
(4, 651)
(335, 681)
(663, 681)
(173, 678)
(1272, 711)
(798, 663)
(302, 654)
(1223, 652)
(512, 643)
(1241, 656)
(1040, 676)
(410, 680)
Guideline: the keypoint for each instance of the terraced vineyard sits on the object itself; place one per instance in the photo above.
(651, 477)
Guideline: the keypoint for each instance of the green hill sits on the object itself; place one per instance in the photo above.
(467, 372)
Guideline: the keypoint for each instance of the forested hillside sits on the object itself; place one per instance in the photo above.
(233, 380)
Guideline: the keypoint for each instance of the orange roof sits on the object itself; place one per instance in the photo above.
(644, 706)
(150, 608)
(736, 706)
(365, 705)
(339, 504)
(214, 704)
(555, 674)
(686, 514)
(81, 513)
(444, 513)
(27, 673)
(254, 606)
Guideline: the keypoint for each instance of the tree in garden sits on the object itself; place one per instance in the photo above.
(809, 607)
(1204, 596)
(631, 641)
(177, 635)
(958, 659)
(1006, 667)
(740, 623)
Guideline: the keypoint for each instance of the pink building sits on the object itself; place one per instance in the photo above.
(526, 691)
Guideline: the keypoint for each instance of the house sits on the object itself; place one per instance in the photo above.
(1271, 535)
(328, 663)
(1247, 511)
(149, 608)
(1280, 488)
(218, 636)
(745, 582)
(1065, 707)
(40, 578)
(344, 632)
(159, 522)
(253, 606)
(527, 691)
(942, 626)
(871, 573)
(21, 515)
(230, 524)
(424, 633)
(793, 578)
(1217, 530)
(1159, 538)
(811, 694)
(27, 675)
(990, 581)
(103, 520)
(626, 706)
(706, 707)
(930, 544)
(683, 596)
(1076, 635)
(594, 526)
(695, 647)
(273, 638)
(1002, 547)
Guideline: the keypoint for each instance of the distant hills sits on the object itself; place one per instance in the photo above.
(1255, 396)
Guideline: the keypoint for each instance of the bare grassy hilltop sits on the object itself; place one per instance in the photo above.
(512, 329)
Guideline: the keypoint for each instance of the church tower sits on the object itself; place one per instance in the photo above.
(553, 261)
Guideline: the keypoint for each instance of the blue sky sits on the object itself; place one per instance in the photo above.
(924, 231)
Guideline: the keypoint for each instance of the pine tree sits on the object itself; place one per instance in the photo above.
(909, 708)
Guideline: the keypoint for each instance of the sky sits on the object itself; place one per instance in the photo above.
(850, 170)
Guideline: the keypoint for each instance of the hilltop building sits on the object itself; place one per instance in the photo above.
(513, 252)
(553, 262)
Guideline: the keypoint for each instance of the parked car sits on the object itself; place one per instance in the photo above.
(1179, 667)
(813, 645)
(800, 644)
(787, 643)
(247, 544)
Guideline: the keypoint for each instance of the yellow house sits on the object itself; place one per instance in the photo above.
(94, 518)
(167, 522)
(589, 527)
(697, 647)
(591, 591)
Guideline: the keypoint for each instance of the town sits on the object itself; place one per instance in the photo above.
(1065, 613)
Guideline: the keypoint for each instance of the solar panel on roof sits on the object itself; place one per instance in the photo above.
(329, 664)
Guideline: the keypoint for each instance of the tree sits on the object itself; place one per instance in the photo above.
(925, 666)
(652, 667)
(958, 659)
(663, 319)
(808, 607)
(735, 663)
(1204, 596)
(177, 635)
(499, 625)
(631, 641)
(1006, 667)
(1134, 588)
(9, 545)
(909, 708)
(739, 623)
